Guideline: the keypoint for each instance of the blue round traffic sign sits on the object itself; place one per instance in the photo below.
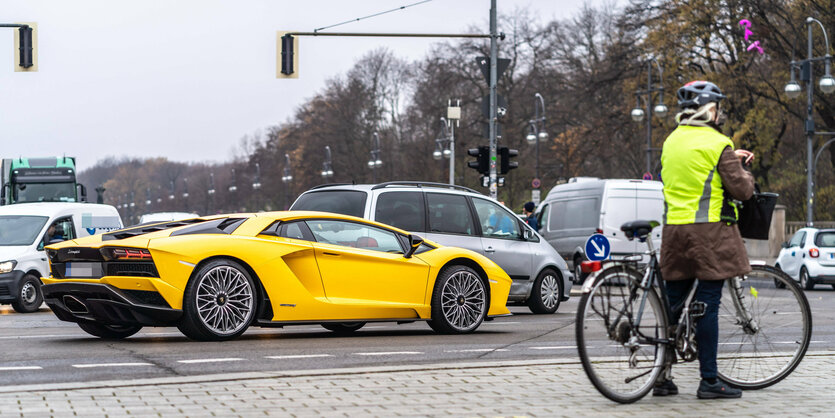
(597, 247)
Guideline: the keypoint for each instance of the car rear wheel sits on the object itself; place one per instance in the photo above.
(219, 302)
(29, 297)
(343, 328)
(546, 293)
(109, 332)
(806, 282)
(459, 301)
(778, 283)
(579, 276)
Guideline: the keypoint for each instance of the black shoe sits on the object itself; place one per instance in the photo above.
(665, 388)
(717, 390)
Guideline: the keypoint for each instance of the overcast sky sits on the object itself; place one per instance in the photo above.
(186, 79)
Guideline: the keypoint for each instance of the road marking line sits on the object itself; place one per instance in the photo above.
(389, 353)
(563, 347)
(499, 323)
(298, 356)
(476, 350)
(209, 360)
(12, 368)
(86, 366)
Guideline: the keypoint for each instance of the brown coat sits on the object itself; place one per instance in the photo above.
(713, 250)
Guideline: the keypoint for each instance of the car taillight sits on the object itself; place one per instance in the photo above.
(598, 230)
(814, 253)
(128, 254)
(590, 266)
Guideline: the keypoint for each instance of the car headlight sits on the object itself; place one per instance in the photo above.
(7, 266)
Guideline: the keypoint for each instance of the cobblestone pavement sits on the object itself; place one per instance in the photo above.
(508, 388)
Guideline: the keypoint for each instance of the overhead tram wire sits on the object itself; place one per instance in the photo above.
(370, 16)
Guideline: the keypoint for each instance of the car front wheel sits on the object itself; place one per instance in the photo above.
(29, 297)
(219, 302)
(459, 301)
(778, 283)
(579, 276)
(546, 292)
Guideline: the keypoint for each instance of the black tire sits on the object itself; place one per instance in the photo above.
(343, 328)
(579, 276)
(459, 301)
(211, 311)
(109, 332)
(756, 359)
(604, 330)
(779, 283)
(29, 296)
(806, 282)
(546, 292)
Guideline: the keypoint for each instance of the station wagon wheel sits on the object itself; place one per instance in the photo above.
(219, 302)
(546, 293)
(29, 297)
(459, 301)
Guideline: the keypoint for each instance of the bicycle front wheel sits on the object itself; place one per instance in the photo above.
(621, 357)
(763, 353)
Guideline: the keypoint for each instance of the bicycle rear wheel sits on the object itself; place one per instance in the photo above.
(616, 354)
(757, 358)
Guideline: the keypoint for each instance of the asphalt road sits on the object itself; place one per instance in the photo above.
(38, 348)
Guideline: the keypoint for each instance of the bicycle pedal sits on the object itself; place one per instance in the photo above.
(697, 309)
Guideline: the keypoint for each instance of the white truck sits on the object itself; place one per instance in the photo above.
(25, 228)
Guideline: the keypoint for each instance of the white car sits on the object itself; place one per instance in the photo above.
(809, 257)
(166, 217)
(24, 230)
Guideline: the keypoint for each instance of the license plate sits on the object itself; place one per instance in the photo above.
(77, 269)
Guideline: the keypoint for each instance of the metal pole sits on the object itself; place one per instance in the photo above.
(537, 128)
(451, 153)
(649, 116)
(494, 52)
(810, 131)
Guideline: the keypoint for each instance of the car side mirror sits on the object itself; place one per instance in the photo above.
(527, 234)
(414, 243)
(785, 245)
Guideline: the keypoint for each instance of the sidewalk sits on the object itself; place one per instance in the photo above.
(555, 387)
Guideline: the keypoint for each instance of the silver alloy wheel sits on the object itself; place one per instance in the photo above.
(29, 293)
(463, 300)
(549, 291)
(224, 300)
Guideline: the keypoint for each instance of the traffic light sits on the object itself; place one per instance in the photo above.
(26, 43)
(288, 58)
(505, 154)
(482, 162)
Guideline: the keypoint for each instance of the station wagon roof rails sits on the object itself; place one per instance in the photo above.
(330, 184)
(423, 184)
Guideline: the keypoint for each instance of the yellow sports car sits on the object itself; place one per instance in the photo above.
(215, 276)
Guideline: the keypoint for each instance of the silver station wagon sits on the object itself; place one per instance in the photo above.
(460, 217)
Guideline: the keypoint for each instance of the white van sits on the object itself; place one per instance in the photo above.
(587, 205)
(24, 230)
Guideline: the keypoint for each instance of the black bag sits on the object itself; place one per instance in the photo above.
(755, 215)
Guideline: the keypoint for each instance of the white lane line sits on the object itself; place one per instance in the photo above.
(18, 337)
(390, 353)
(87, 366)
(499, 323)
(298, 356)
(556, 347)
(476, 350)
(12, 368)
(209, 360)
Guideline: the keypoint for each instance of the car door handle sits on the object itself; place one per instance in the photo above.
(333, 254)
(489, 250)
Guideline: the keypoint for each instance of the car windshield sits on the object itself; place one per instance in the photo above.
(20, 229)
(825, 239)
(44, 192)
(345, 202)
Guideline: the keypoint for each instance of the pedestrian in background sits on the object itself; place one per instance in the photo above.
(702, 173)
(530, 218)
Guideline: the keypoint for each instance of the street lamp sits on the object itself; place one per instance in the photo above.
(660, 109)
(536, 128)
(171, 193)
(792, 90)
(233, 187)
(327, 165)
(374, 163)
(288, 176)
(256, 184)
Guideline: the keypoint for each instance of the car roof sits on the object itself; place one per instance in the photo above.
(398, 186)
(54, 208)
(595, 183)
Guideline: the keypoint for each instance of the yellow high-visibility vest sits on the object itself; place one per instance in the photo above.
(693, 191)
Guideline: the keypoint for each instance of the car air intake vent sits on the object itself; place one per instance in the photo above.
(146, 297)
(217, 226)
(141, 269)
(147, 229)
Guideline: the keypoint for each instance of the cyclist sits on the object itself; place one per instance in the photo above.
(702, 172)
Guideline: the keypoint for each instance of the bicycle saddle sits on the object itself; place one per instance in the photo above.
(638, 229)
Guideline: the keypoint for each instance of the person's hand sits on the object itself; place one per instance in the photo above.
(746, 156)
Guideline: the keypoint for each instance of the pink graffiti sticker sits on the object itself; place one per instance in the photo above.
(754, 45)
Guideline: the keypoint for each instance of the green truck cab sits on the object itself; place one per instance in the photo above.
(51, 179)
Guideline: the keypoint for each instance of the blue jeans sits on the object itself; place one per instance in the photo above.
(707, 327)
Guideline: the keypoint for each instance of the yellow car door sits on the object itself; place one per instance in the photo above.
(364, 264)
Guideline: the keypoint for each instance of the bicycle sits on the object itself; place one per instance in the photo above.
(625, 337)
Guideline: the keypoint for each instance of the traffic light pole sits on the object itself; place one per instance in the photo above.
(494, 53)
